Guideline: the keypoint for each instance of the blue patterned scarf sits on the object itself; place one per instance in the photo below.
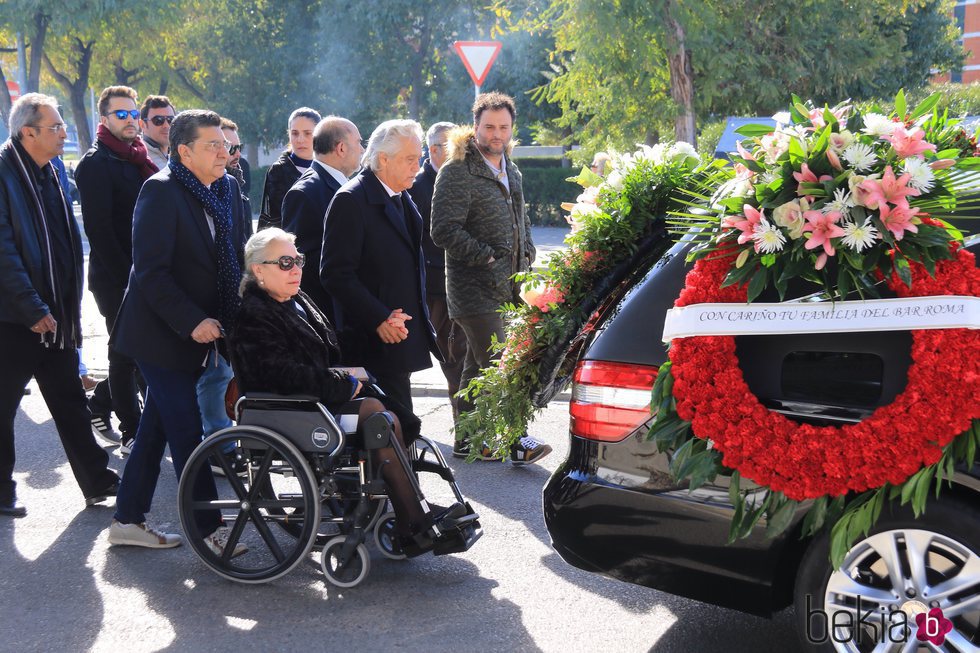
(217, 200)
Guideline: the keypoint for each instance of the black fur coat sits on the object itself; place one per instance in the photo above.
(273, 349)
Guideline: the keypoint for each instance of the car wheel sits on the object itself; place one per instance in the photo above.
(905, 567)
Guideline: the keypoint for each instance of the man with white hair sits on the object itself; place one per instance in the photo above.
(40, 299)
(372, 265)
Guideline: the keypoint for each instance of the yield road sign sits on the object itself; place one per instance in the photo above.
(477, 56)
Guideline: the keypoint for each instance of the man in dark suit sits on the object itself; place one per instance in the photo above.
(337, 154)
(188, 239)
(449, 336)
(371, 263)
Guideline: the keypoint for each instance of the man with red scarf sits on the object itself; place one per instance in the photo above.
(109, 178)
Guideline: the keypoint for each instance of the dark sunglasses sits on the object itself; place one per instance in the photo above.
(235, 149)
(159, 120)
(286, 263)
(122, 113)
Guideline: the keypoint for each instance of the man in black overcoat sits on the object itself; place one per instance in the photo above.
(337, 154)
(371, 263)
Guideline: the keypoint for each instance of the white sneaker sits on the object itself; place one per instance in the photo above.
(141, 535)
(218, 540)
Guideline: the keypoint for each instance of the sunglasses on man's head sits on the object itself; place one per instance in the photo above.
(159, 120)
(235, 149)
(286, 263)
(122, 113)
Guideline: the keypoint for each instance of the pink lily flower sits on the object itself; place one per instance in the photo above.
(834, 160)
(822, 227)
(807, 175)
(752, 217)
(887, 189)
(909, 143)
(942, 164)
(898, 219)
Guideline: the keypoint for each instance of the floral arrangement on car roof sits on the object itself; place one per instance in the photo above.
(609, 221)
(845, 201)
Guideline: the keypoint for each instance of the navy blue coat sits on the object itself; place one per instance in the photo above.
(173, 285)
(304, 210)
(372, 264)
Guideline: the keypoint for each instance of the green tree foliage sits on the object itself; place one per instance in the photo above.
(612, 74)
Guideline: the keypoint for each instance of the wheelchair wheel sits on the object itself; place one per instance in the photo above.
(350, 574)
(385, 538)
(279, 486)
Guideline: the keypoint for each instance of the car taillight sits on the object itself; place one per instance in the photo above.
(610, 400)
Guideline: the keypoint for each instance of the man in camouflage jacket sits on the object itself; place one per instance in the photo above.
(478, 217)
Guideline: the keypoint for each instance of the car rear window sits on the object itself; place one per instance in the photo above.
(836, 378)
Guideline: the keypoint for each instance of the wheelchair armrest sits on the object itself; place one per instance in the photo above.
(270, 400)
(266, 396)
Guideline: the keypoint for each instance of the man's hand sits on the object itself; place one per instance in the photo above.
(46, 324)
(393, 329)
(357, 390)
(207, 331)
(492, 259)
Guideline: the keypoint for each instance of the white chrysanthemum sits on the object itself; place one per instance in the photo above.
(768, 237)
(878, 125)
(860, 156)
(920, 174)
(841, 203)
(858, 237)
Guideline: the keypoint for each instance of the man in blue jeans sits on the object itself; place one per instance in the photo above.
(188, 240)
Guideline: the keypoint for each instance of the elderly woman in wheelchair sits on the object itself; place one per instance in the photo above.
(322, 450)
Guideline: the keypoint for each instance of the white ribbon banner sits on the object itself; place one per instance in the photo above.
(934, 312)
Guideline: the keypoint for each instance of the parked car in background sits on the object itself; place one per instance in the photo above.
(612, 506)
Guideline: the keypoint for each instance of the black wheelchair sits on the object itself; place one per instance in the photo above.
(299, 479)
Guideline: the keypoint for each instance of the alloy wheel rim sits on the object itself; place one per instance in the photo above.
(888, 578)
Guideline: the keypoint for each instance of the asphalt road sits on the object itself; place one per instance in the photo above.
(63, 588)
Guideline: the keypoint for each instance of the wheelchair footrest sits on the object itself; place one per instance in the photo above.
(460, 540)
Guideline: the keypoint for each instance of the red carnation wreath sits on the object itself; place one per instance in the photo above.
(804, 461)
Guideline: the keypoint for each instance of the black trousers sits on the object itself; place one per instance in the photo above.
(452, 343)
(118, 393)
(56, 372)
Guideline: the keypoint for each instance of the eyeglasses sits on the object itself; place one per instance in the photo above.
(122, 113)
(159, 120)
(56, 128)
(212, 146)
(235, 149)
(286, 263)
(441, 146)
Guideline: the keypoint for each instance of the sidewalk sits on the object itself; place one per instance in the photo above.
(427, 383)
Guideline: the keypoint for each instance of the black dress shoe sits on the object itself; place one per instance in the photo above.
(110, 491)
(12, 509)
